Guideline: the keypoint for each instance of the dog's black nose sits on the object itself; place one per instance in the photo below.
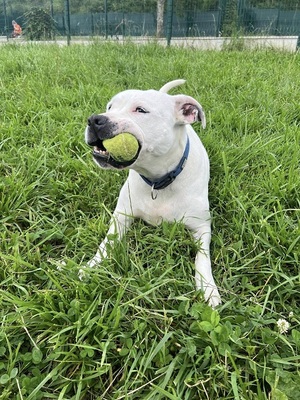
(97, 121)
(100, 125)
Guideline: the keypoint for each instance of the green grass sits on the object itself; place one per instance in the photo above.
(135, 328)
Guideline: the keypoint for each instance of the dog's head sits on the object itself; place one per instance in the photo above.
(155, 118)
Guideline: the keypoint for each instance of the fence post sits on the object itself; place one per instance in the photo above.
(240, 16)
(169, 21)
(5, 19)
(92, 24)
(106, 19)
(67, 18)
(222, 7)
(298, 43)
(51, 9)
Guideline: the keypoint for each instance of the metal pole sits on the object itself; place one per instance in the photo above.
(92, 24)
(51, 9)
(67, 18)
(169, 21)
(52, 16)
(5, 19)
(222, 7)
(123, 26)
(106, 19)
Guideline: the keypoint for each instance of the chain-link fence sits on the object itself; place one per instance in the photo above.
(180, 18)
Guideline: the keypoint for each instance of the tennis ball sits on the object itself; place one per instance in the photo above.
(122, 147)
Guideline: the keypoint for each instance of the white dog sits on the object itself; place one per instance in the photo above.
(168, 179)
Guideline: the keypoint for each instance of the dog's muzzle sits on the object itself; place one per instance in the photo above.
(99, 129)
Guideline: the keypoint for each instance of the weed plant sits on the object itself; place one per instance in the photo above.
(135, 328)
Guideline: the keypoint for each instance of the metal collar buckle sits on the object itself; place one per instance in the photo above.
(153, 192)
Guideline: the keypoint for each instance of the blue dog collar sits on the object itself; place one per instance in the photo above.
(167, 179)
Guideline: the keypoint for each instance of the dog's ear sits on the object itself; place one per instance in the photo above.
(188, 110)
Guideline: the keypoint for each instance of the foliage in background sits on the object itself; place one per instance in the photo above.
(281, 4)
(135, 328)
(77, 6)
(190, 17)
(39, 24)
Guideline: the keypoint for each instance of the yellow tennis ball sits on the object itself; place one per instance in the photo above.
(122, 147)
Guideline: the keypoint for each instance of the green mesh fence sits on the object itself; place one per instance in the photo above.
(190, 18)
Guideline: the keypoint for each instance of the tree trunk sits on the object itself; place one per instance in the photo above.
(160, 18)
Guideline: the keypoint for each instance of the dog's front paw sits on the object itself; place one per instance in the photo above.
(96, 260)
(212, 295)
(213, 299)
(83, 274)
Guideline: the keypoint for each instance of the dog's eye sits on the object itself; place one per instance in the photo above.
(109, 106)
(141, 110)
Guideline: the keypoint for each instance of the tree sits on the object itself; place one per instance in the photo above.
(160, 18)
(38, 24)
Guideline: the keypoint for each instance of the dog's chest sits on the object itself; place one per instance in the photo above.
(152, 219)
(154, 211)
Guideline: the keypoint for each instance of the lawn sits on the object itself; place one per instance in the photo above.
(135, 328)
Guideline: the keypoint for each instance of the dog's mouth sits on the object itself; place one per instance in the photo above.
(104, 159)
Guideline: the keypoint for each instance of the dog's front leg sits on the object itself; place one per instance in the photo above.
(119, 224)
(203, 274)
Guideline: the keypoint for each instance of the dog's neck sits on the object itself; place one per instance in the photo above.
(167, 179)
